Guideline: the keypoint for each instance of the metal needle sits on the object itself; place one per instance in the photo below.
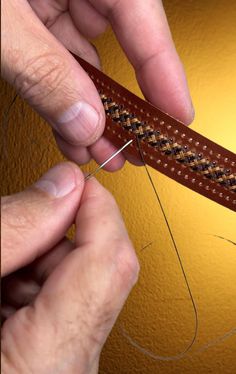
(108, 160)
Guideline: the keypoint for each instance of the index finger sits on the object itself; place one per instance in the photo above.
(80, 300)
(143, 32)
(98, 220)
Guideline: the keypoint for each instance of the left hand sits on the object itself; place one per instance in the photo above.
(36, 37)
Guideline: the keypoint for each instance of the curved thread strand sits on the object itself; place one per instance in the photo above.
(187, 349)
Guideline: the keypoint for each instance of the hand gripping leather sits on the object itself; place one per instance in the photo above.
(167, 144)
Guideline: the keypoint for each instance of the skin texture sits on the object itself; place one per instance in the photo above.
(35, 59)
(61, 306)
(61, 299)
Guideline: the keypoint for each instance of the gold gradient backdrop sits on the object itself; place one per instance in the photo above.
(158, 313)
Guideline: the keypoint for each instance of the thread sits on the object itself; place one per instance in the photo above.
(188, 348)
(187, 351)
(227, 240)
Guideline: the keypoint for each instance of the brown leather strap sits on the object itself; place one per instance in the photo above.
(167, 144)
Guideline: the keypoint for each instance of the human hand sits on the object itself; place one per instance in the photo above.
(61, 306)
(36, 37)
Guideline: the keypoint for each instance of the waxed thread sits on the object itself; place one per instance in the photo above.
(149, 353)
(186, 353)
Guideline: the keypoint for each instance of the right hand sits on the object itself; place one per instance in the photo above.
(61, 299)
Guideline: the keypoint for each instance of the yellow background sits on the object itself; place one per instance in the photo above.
(158, 313)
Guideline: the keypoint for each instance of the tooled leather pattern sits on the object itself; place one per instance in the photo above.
(167, 145)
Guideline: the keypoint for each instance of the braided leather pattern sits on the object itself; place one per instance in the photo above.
(182, 154)
(167, 144)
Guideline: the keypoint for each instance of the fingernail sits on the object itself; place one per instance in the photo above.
(79, 124)
(58, 181)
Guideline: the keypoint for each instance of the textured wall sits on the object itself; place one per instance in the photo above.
(158, 313)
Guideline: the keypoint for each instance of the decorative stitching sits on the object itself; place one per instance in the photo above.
(155, 138)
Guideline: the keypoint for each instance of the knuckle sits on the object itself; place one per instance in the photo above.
(18, 219)
(14, 217)
(127, 263)
(9, 335)
(41, 77)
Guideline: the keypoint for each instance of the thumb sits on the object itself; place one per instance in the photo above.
(35, 220)
(71, 317)
(48, 77)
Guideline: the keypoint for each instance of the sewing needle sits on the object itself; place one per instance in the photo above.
(108, 160)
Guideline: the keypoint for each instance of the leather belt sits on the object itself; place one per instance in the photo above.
(167, 144)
